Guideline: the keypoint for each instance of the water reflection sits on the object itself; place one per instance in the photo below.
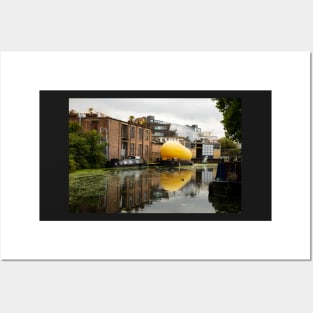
(173, 181)
(149, 190)
(225, 205)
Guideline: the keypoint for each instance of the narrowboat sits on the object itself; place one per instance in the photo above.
(130, 161)
(227, 182)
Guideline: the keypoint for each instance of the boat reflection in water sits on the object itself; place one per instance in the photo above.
(149, 190)
(225, 189)
(225, 205)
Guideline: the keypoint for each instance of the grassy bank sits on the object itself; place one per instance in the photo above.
(88, 172)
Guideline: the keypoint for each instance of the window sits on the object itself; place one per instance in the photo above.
(140, 133)
(124, 150)
(146, 151)
(132, 149)
(207, 150)
(132, 132)
(124, 131)
(94, 125)
(160, 127)
(147, 134)
(140, 149)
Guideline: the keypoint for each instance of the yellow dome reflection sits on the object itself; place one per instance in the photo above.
(175, 150)
(175, 181)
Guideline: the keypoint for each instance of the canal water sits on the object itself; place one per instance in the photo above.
(149, 190)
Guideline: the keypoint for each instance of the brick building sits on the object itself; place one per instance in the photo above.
(123, 139)
(155, 150)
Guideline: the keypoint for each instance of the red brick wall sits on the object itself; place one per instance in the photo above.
(112, 129)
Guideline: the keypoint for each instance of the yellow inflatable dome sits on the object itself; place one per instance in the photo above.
(175, 150)
(175, 181)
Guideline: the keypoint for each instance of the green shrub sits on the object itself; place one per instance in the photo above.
(85, 151)
(72, 164)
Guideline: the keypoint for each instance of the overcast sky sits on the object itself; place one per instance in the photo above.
(181, 111)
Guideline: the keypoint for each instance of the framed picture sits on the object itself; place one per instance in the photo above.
(101, 205)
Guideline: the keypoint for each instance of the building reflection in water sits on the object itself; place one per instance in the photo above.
(130, 191)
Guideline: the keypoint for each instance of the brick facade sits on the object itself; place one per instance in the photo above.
(124, 139)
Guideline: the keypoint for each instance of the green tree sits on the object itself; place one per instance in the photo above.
(231, 109)
(73, 166)
(85, 150)
(227, 143)
(74, 128)
(229, 147)
(131, 119)
(96, 158)
(79, 151)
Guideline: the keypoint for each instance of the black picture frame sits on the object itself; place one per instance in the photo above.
(256, 155)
